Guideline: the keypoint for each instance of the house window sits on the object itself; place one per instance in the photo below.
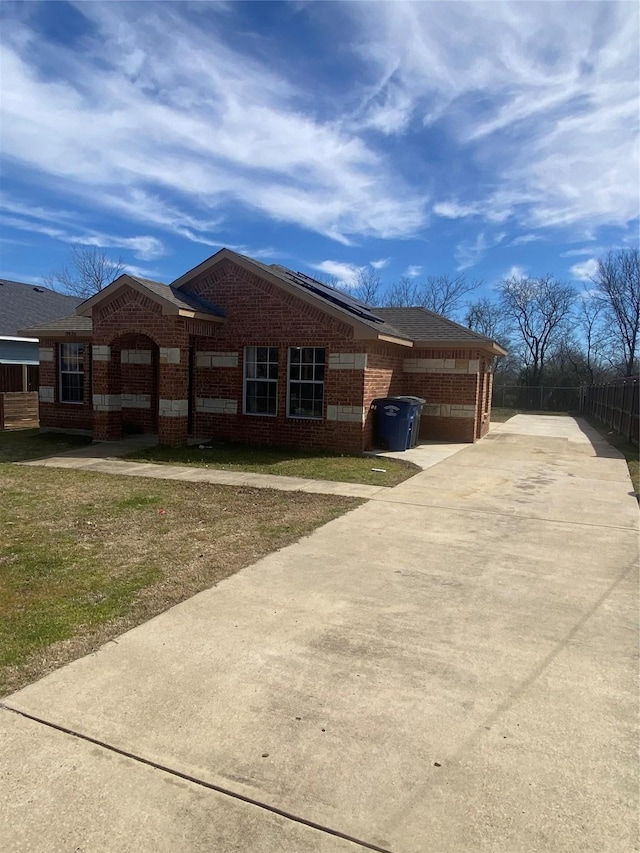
(306, 382)
(71, 373)
(260, 380)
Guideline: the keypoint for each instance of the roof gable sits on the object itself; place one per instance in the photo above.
(172, 301)
(331, 301)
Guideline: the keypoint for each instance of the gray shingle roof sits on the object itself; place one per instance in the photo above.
(24, 305)
(75, 323)
(178, 297)
(420, 324)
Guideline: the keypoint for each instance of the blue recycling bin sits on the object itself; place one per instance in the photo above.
(397, 421)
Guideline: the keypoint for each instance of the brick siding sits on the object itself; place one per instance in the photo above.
(140, 374)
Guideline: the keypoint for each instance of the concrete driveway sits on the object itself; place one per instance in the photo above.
(451, 667)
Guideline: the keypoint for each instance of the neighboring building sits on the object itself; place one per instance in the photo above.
(23, 305)
(241, 350)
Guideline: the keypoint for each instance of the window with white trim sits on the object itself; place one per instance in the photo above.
(306, 382)
(261, 381)
(71, 367)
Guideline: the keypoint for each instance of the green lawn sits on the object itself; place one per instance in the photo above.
(310, 464)
(17, 445)
(86, 556)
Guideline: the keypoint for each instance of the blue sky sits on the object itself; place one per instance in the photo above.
(425, 138)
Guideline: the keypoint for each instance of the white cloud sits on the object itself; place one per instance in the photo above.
(584, 270)
(544, 98)
(453, 210)
(413, 271)
(381, 264)
(345, 274)
(578, 253)
(142, 272)
(144, 247)
(523, 239)
(470, 252)
(189, 119)
(515, 272)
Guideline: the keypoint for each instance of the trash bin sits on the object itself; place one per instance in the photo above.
(397, 421)
(417, 403)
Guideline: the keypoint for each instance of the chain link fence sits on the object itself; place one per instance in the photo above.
(539, 398)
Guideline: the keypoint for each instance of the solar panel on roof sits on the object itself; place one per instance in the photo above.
(332, 295)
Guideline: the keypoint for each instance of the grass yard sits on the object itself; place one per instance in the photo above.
(310, 464)
(20, 444)
(85, 556)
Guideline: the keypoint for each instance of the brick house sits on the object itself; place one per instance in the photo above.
(241, 350)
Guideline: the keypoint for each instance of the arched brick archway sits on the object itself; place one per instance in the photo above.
(126, 387)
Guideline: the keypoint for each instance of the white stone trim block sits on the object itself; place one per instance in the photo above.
(45, 354)
(207, 405)
(349, 414)
(136, 401)
(216, 359)
(449, 410)
(107, 402)
(46, 394)
(173, 408)
(347, 361)
(100, 352)
(135, 356)
(462, 411)
(440, 365)
(169, 355)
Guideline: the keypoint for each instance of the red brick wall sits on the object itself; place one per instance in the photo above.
(383, 378)
(138, 379)
(57, 415)
(257, 314)
(261, 314)
(451, 388)
(126, 315)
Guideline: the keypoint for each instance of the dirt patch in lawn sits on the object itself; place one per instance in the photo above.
(84, 557)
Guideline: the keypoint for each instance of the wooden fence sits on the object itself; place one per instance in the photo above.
(18, 409)
(616, 404)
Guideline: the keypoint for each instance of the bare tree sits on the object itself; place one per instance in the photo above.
(404, 293)
(590, 324)
(540, 309)
(86, 272)
(618, 283)
(488, 318)
(443, 294)
(367, 287)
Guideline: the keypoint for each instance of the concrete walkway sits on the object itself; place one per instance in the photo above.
(451, 668)
(104, 458)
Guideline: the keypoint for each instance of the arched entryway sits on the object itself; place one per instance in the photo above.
(126, 382)
(135, 359)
